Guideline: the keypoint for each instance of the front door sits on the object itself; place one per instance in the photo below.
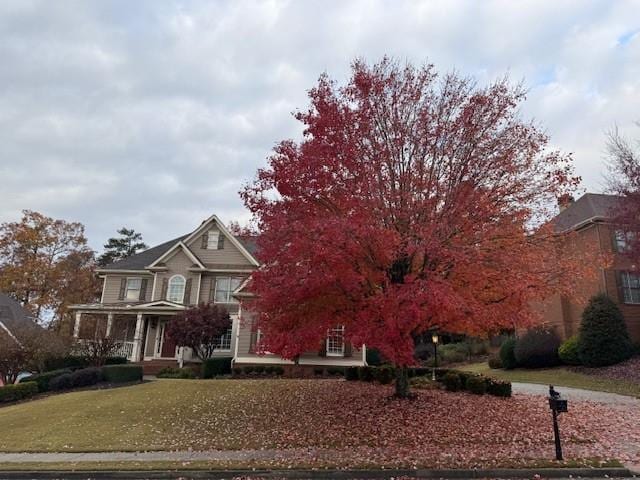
(168, 345)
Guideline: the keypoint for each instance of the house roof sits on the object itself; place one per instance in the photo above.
(141, 260)
(12, 314)
(590, 206)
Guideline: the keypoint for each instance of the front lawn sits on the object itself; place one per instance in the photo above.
(561, 376)
(316, 423)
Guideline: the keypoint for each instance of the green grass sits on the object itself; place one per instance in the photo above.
(560, 376)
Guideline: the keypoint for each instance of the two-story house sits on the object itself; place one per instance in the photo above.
(141, 293)
(590, 217)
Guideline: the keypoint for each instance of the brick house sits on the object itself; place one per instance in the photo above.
(590, 217)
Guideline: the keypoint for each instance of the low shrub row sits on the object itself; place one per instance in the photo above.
(214, 367)
(452, 380)
(77, 361)
(259, 370)
(537, 348)
(19, 391)
(328, 372)
(65, 378)
(174, 372)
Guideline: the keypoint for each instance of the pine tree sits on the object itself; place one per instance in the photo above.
(129, 243)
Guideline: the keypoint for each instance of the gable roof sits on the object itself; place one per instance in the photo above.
(591, 206)
(185, 249)
(140, 260)
(12, 314)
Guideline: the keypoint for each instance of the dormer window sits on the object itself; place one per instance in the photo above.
(213, 240)
(175, 292)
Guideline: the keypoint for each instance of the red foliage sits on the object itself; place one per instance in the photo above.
(410, 204)
(200, 328)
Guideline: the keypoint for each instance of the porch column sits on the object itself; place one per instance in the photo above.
(137, 339)
(109, 324)
(76, 326)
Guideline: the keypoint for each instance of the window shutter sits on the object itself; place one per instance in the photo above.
(220, 241)
(165, 287)
(323, 349)
(212, 290)
(253, 341)
(348, 349)
(143, 289)
(205, 241)
(620, 286)
(614, 242)
(123, 288)
(187, 292)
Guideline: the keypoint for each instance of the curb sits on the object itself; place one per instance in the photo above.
(321, 474)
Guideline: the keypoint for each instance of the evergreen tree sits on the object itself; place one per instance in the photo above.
(129, 243)
(603, 339)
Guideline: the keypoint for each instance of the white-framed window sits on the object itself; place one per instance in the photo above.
(623, 240)
(175, 290)
(212, 239)
(630, 287)
(224, 342)
(225, 286)
(335, 342)
(132, 292)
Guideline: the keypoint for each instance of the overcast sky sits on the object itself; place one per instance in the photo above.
(153, 114)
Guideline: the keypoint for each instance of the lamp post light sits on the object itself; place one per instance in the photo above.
(434, 340)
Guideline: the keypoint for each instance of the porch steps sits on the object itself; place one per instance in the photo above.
(152, 367)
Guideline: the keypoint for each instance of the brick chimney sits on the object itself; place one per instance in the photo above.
(565, 201)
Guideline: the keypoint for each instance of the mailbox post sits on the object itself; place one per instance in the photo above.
(558, 405)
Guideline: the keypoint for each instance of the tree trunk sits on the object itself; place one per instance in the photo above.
(402, 382)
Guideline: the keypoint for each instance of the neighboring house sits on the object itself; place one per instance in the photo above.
(141, 293)
(13, 316)
(590, 217)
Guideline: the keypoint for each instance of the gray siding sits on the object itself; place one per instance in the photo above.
(178, 264)
(228, 256)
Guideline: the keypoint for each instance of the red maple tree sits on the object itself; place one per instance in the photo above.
(414, 202)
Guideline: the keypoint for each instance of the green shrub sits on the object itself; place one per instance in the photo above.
(507, 354)
(537, 348)
(43, 379)
(77, 361)
(259, 369)
(174, 372)
(86, 377)
(318, 371)
(476, 384)
(452, 381)
(351, 374)
(495, 362)
(385, 374)
(278, 370)
(248, 370)
(61, 382)
(453, 353)
(365, 374)
(335, 371)
(213, 367)
(603, 339)
(568, 351)
(498, 388)
(373, 357)
(19, 391)
(237, 370)
(477, 347)
(420, 371)
(122, 373)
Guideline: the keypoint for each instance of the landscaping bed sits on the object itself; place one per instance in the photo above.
(628, 371)
(320, 423)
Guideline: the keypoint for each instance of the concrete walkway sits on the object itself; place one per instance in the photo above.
(576, 394)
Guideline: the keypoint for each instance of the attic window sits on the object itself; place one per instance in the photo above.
(212, 240)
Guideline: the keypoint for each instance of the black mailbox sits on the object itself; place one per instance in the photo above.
(558, 404)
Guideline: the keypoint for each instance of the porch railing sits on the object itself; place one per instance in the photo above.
(124, 349)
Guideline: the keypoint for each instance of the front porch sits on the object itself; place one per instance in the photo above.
(139, 332)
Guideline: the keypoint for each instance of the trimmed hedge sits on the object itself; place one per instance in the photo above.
(603, 339)
(538, 348)
(568, 351)
(476, 384)
(77, 361)
(452, 382)
(213, 367)
(86, 377)
(508, 355)
(43, 379)
(498, 388)
(122, 373)
(173, 372)
(19, 391)
(61, 382)
(351, 374)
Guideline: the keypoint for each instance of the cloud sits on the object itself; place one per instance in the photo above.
(153, 114)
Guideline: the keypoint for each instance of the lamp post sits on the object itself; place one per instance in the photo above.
(434, 339)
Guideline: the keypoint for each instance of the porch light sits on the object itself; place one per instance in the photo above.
(434, 338)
